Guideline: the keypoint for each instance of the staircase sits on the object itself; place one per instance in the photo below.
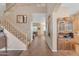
(9, 27)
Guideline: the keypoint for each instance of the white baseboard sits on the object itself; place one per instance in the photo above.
(54, 50)
(3, 49)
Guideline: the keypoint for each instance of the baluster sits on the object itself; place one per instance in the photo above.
(14, 31)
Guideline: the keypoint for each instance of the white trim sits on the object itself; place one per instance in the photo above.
(54, 38)
(54, 50)
(31, 31)
(3, 49)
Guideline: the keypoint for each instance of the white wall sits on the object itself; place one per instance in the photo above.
(13, 43)
(50, 8)
(39, 17)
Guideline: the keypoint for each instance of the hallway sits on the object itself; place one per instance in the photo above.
(38, 47)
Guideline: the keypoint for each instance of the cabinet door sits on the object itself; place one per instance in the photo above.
(65, 45)
(61, 44)
(61, 26)
(75, 24)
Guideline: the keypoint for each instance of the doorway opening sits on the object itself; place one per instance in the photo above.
(38, 27)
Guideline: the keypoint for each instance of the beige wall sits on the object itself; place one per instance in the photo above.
(23, 9)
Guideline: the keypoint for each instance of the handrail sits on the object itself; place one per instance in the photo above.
(20, 35)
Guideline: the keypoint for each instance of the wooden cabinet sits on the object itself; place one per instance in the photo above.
(64, 44)
(74, 28)
(65, 26)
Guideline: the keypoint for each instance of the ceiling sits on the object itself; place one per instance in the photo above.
(72, 7)
(32, 4)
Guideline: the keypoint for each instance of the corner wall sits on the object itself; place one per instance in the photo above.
(22, 9)
(61, 12)
(55, 11)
